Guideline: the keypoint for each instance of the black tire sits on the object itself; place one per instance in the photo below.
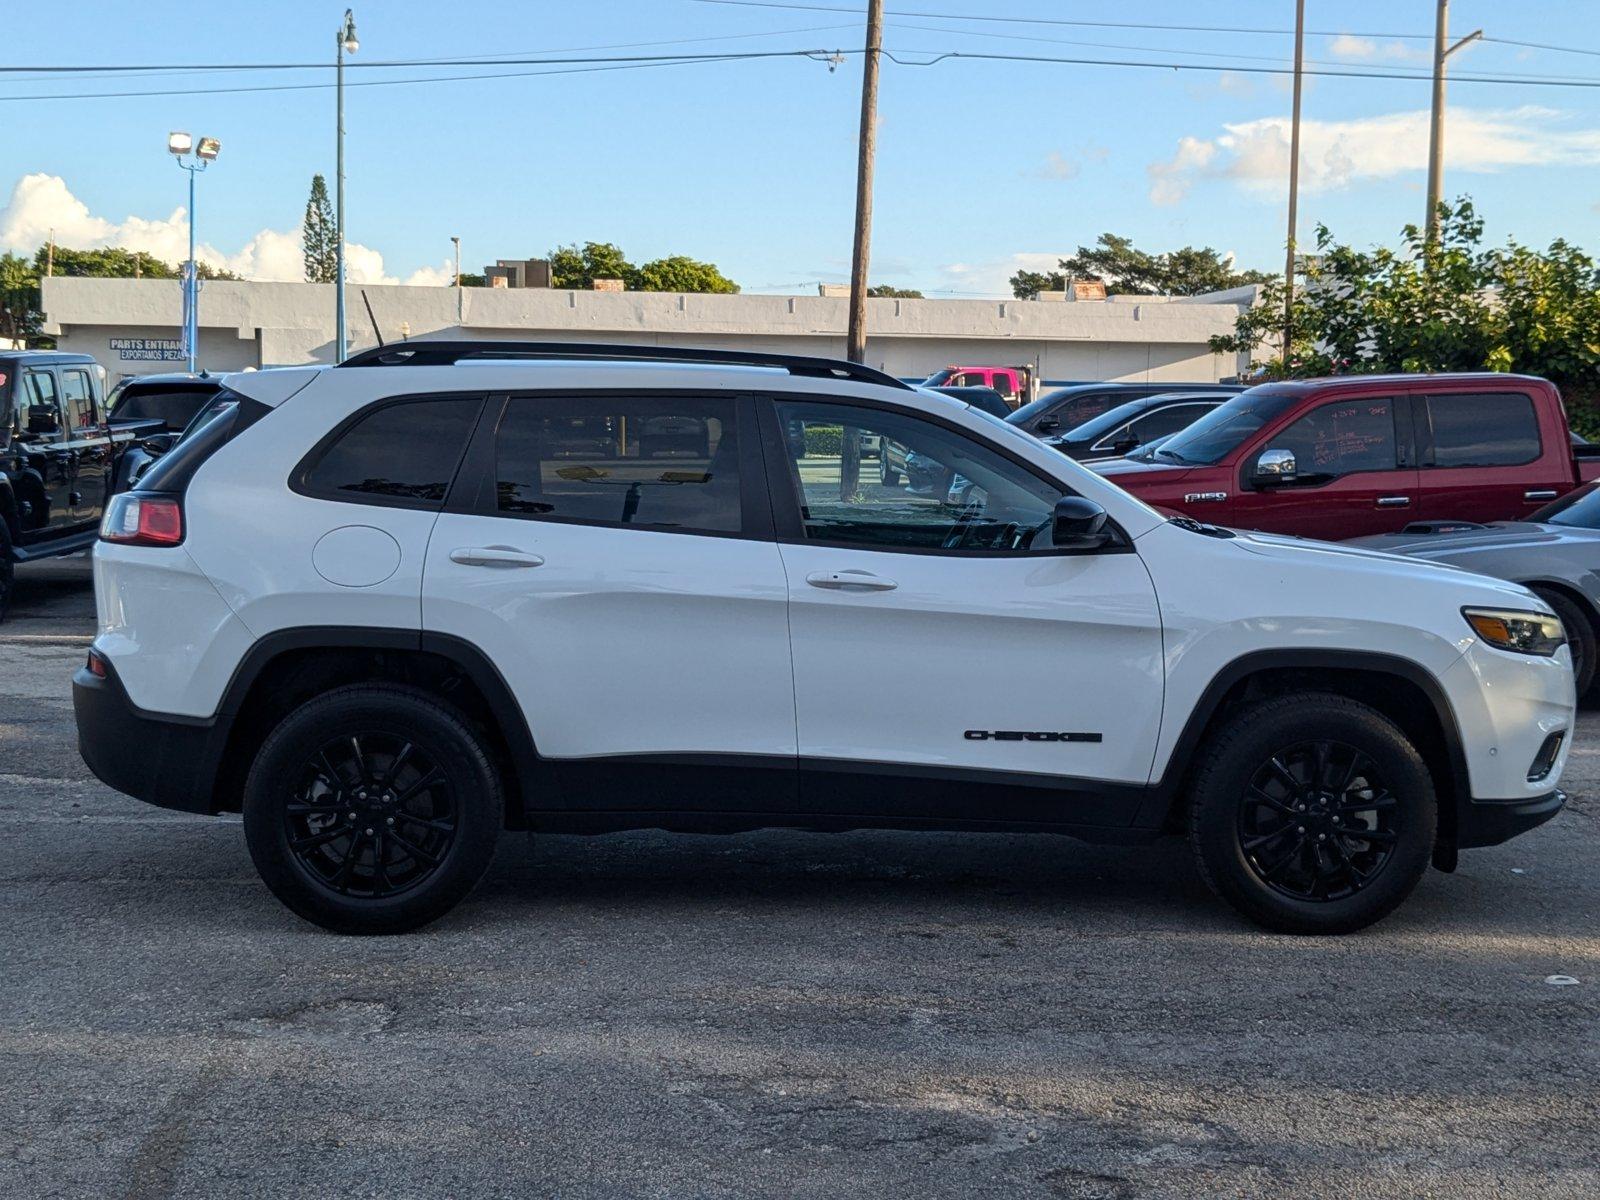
(8, 570)
(1580, 636)
(1329, 843)
(887, 475)
(380, 837)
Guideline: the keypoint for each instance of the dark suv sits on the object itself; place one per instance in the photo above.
(1067, 407)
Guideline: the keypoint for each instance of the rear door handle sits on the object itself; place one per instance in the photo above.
(1540, 494)
(504, 557)
(1393, 501)
(859, 581)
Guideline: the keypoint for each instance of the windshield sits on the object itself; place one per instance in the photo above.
(1217, 434)
(1576, 510)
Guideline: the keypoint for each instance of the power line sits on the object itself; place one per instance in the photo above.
(839, 8)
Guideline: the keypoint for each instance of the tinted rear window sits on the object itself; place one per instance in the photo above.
(406, 452)
(175, 408)
(1483, 429)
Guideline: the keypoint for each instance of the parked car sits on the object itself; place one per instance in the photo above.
(1014, 384)
(1358, 455)
(1068, 407)
(1555, 553)
(984, 399)
(149, 413)
(57, 457)
(373, 609)
(1126, 427)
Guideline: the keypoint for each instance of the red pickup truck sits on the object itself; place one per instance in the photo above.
(1344, 457)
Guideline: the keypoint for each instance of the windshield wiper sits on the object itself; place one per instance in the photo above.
(1172, 454)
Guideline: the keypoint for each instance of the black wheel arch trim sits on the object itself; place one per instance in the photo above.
(1166, 792)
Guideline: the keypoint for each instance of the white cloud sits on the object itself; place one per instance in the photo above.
(1347, 45)
(1169, 181)
(1058, 166)
(1336, 154)
(42, 206)
(993, 277)
(1359, 49)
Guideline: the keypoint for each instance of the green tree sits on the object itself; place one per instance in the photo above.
(106, 262)
(578, 267)
(888, 292)
(319, 236)
(681, 274)
(1450, 306)
(1126, 270)
(20, 318)
(575, 267)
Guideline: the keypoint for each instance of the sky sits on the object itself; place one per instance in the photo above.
(984, 165)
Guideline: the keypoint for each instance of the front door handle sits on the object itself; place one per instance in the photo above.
(1540, 494)
(503, 557)
(1393, 501)
(859, 581)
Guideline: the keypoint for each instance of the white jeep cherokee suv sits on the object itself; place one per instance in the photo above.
(387, 610)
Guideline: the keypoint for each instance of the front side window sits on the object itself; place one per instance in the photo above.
(1485, 429)
(79, 395)
(406, 452)
(1341, 438)
(931, 489)
(664, 462)
(39, 407)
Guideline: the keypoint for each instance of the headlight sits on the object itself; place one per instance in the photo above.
(1519, 632)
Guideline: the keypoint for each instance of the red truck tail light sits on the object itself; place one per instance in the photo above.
(142, 520)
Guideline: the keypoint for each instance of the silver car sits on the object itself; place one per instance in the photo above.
(1555, 552)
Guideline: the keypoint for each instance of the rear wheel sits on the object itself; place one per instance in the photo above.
(372, 809)
(887, 475)
(1580, 636)
(1312, 813)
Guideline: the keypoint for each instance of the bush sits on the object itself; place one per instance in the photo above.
(824, 441)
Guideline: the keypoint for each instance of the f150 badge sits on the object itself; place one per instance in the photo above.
(1027, 735)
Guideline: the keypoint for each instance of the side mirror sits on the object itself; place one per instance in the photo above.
(1078, 524)
(158, 444)
(1047, 425)
(42, 419)
(1122, 445)
(1274, 467)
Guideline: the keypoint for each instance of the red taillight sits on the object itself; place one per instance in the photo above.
(135, 520)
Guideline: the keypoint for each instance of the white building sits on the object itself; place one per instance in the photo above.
(132, 326)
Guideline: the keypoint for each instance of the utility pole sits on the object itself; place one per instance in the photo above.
(861, 252)
(857, 350)
(1294, 178)
(1441, 53)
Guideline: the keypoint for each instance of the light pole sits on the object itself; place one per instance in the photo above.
(346, 41)
(193, 159)
(1441, 52)
(1294, 178)
(456, 242)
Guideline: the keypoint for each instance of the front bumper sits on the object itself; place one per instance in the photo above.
(1490, 822)
(160, 759)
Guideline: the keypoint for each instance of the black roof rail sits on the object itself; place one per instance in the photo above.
(447, 352)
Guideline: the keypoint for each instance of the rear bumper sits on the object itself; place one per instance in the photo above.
(160, 759)
(1490, 822)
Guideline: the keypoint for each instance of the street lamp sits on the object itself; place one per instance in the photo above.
(193, 159)
(345, 43)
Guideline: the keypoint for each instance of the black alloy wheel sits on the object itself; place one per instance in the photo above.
(372, 815)
(1311, 812)
(373, 808)
(1317, 822)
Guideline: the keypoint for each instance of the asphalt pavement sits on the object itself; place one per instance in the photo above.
(773, 1014)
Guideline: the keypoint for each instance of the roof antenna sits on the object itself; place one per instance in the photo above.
(376, 332)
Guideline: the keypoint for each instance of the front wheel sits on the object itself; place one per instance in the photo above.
(1312, 813)
(372, 809)
(1580, 637)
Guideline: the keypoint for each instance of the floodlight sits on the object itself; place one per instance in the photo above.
(208, 148)
(179, 143)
